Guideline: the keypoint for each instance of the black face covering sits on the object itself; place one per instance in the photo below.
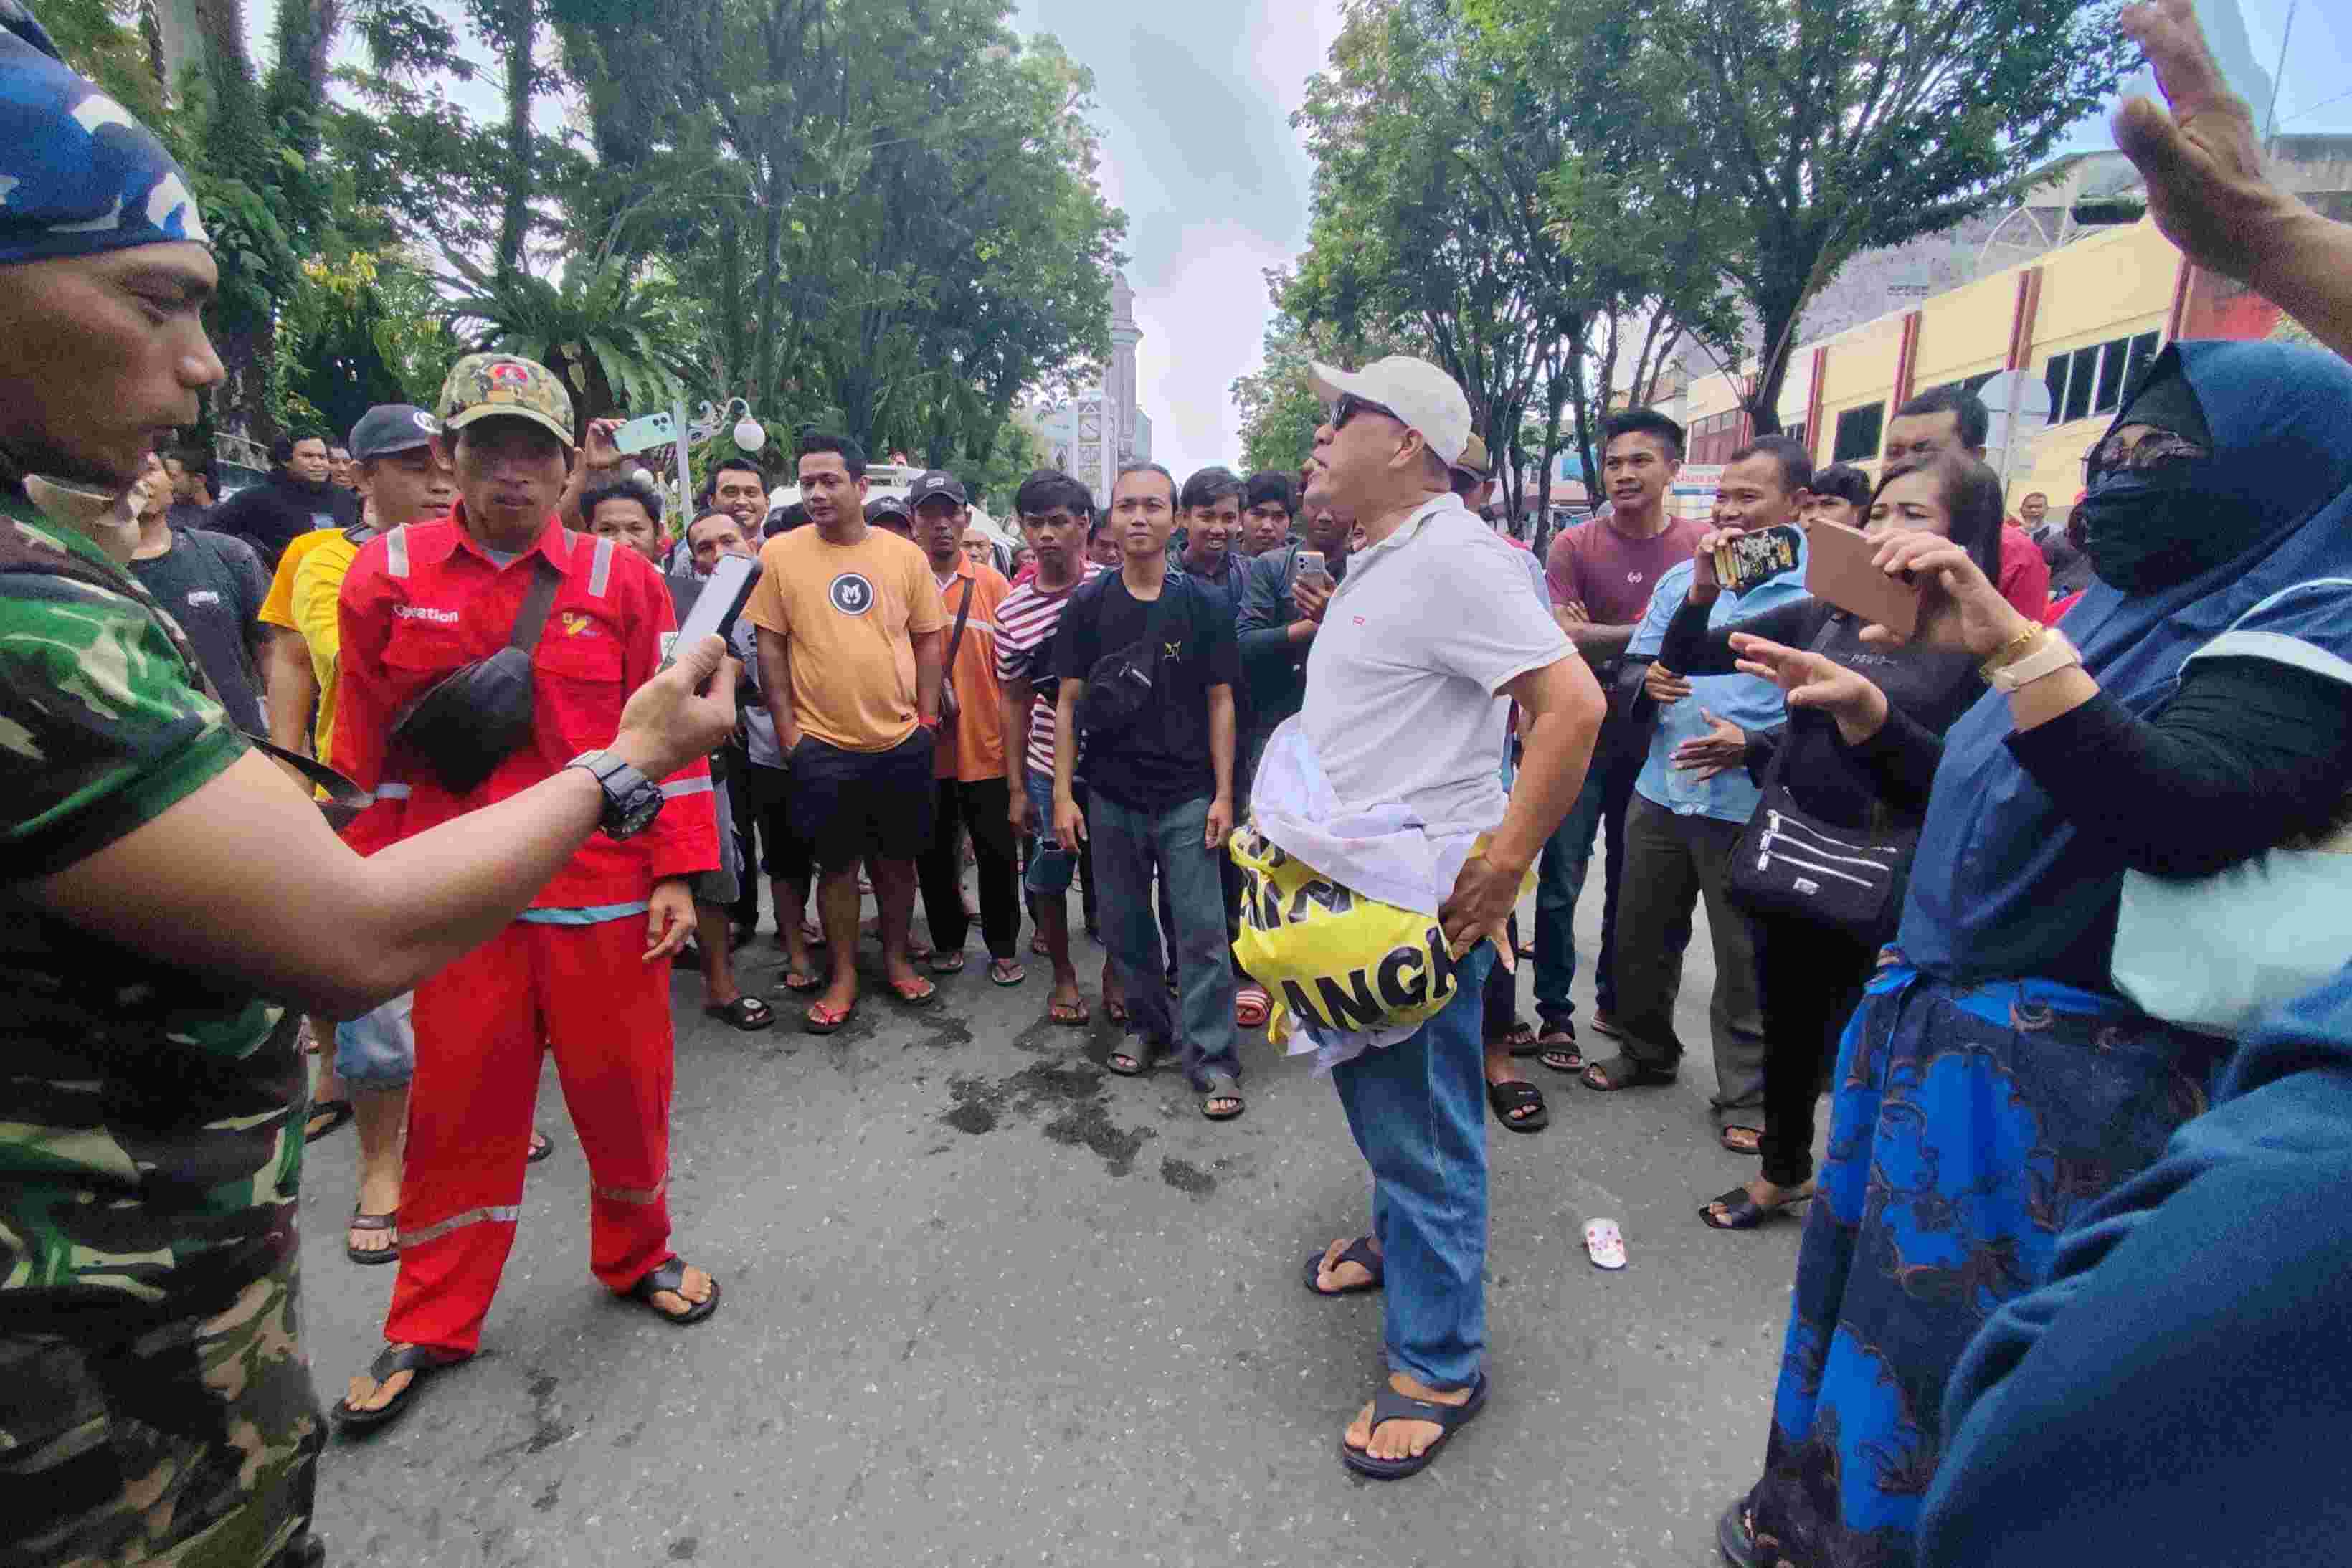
(2149, 529)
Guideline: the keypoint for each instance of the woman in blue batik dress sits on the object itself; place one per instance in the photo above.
(1991, 1083)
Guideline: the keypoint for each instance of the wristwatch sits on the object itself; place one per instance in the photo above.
(631, 800)
(2044, 655)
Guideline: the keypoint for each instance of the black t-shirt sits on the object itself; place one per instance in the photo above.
(280, 509)
(214, 585)
(1162, 759)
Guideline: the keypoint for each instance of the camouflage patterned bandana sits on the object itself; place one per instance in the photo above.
(486, 386)
(78, 174)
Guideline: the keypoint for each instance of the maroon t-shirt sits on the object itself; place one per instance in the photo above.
(1612, 576)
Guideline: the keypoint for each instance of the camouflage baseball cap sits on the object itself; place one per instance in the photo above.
(486, 386)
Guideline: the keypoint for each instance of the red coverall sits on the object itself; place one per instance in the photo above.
(418, 603)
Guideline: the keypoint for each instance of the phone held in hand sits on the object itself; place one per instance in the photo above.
(1839, 569)
(1751, 561)
(658, 429)
(1311, 569)
(724, 593)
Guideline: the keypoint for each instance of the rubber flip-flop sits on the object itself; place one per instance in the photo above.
(540, 1147)
(920, 994)
(1142, 1057)
(1388, 1405)
(1358, 1252)
(1006, 972)
(1622, 1073)
(417, 1360)
(337, 1112)
(1754, 1147)
(801, 983)
(1228, 1093)
(749, 1014)
(1741, 1212)
(1507, 1098)
(361, 1255)
(948, 963)
(671, 1276)
(1519, 1040)
(1604, 1244)
(823, 1020)
(1251, 1005)
(1552, 1043)
(1068, 1015)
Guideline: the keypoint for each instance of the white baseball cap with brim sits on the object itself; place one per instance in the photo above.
(1425, 397)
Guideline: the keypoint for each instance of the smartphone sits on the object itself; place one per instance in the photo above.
(721, 600)
(1312, 569)
(648, 430)
(1839, 569)
(1753, 560)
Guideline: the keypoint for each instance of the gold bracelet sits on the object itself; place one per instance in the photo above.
(2009, 652)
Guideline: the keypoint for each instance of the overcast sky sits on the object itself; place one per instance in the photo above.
(1193, 102)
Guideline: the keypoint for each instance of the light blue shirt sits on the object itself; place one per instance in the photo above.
(1749, 701)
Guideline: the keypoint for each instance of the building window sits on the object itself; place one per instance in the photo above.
(1858, 429)
(2091, 380)
(1798, 433)
(1715, 438)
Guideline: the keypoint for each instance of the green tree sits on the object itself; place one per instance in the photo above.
(1817, 129)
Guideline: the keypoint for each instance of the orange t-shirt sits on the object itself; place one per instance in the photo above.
(847, 614)
(976, 750)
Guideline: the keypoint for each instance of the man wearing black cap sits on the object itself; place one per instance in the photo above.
(891, 514)
(969, 763)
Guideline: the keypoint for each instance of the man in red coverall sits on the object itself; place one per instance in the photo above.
(585, 969)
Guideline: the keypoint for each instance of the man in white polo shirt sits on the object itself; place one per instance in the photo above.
(1420, 647)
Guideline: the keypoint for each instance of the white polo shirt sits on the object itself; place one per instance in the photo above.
(1402, 680)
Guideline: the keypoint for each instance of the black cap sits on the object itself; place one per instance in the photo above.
(935, 482)
(391, 427)
(882, 507)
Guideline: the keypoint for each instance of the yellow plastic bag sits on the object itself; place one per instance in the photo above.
(1329, 957)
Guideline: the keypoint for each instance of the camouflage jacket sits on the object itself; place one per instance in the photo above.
(150, 1141)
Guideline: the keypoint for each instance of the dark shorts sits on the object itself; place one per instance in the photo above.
(782, 852)
(847, 805)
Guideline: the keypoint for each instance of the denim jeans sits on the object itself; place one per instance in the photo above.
(1418, 1110)
(1559, 882)
(1128, 847)
(1050, 865)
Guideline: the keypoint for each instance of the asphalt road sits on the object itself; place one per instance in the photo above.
(986, 1303)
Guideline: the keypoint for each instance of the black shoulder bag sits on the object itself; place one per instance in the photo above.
(477, 714)
(1789, 861)
(1120, 686)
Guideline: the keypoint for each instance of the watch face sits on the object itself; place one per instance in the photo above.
(636, 813)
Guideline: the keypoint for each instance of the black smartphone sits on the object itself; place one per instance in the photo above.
(1754, 559)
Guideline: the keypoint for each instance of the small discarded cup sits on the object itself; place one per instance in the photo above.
(1604, 1244)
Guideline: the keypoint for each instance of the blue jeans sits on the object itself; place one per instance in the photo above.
(1050, 865)
(1128, 847)
(377, 1051)
(1600, 807)
(1418, 1110)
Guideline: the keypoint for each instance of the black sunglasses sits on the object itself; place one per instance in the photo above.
(1349, 405)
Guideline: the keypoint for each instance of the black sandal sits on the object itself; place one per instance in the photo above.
(671, 1277)
(540, 1147)
(1557, 1048)
(747, 1013)
(1735, 1536)
(372, 1222)
(337, 1112)
(1741, 1212)
(1230, 1091)
(421, 1361)
(1145, 1057)
(1358, 1252)
(1388, 1405)
(1519, 1040)
(1507, 1098)
(1623, 1073)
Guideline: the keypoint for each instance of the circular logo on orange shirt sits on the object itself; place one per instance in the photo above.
(851, 593)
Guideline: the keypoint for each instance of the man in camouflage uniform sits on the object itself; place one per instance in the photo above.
(155, 1404)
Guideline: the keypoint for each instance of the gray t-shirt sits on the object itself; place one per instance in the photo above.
(1430, 625)
(213, 585)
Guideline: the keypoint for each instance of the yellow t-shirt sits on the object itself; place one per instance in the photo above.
(277, 605)
(846, 614)
(314, 601)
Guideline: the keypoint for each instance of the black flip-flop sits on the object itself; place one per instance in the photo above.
(1546, 1049)
(1623, 1073)
(996, 968)
(1741, 1212)
(1388, 1405)
(671, 1277)
(337, 1112)
(1145, 1058)
(541, 1145)
(1507, 1098)
(1519, 1040)
(1358, 1252)
(749, 1014)
(1228, 1092)
(421, 1361)
(372, 1222)
(1733, 1537)
(801, 985)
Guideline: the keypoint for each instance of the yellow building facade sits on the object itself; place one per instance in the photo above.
(2082, 318)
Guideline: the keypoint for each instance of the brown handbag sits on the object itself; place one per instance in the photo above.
(948, 707)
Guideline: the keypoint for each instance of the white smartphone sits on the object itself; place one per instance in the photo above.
(1312, 569)
(721, 600)
(658, 429)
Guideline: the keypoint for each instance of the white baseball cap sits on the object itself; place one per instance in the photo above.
(1415, 391)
